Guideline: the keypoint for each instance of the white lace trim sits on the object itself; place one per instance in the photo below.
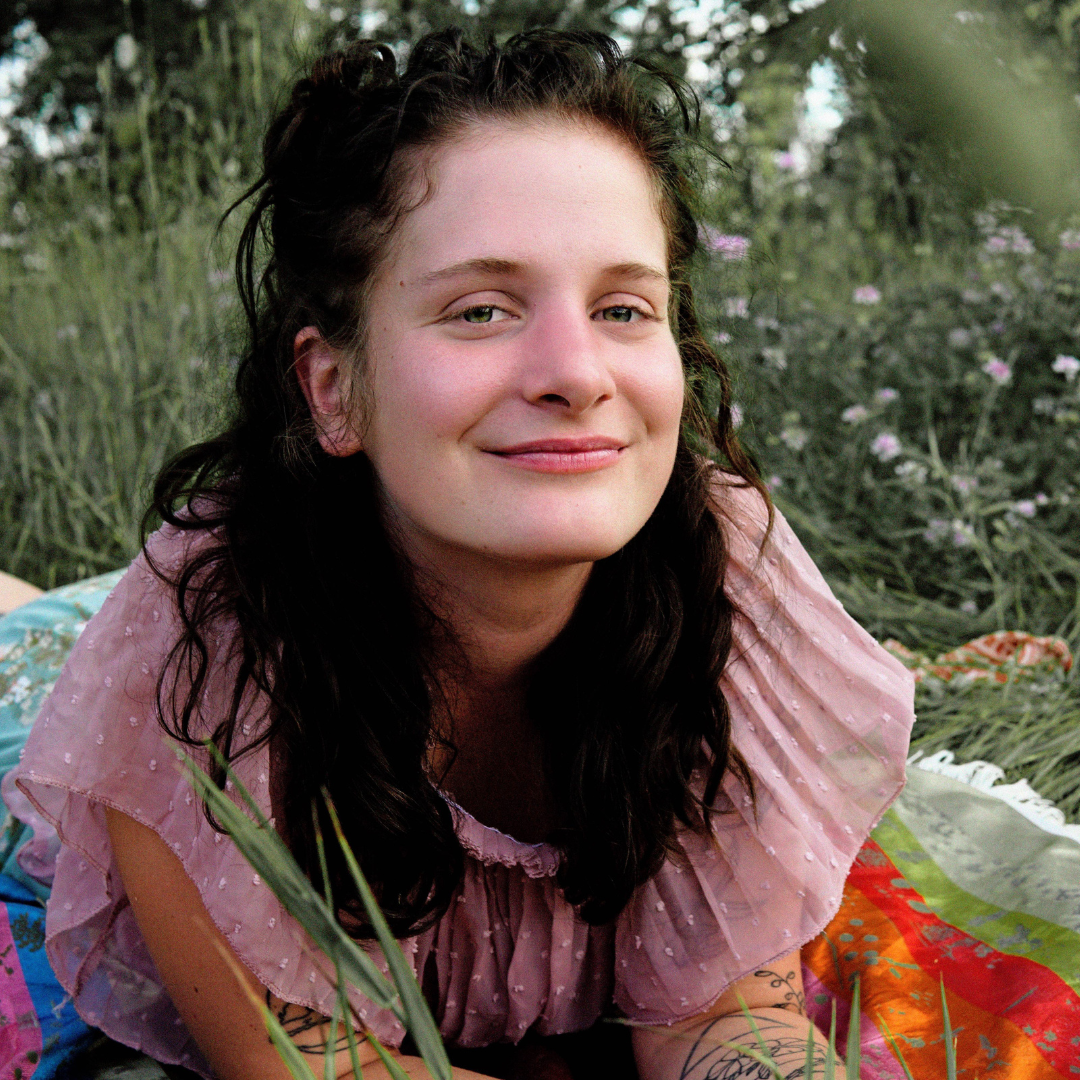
(984, 777)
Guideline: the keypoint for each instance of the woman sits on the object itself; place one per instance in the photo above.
(597, 730)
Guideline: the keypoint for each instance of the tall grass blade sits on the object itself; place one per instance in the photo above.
(419, 1021)
(854, 1036)
(765, 1059)
(320, 849)
(894, 1046)
(950, 1039)
(808, 1067)
(350, 1030)
(260, 844)
(754, 1028)
(294, 1060)
(341, 1003)
(330, 1052)
(830, 1050)
(393, 1066)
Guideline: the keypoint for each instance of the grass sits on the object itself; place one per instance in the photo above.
(112, 357)
(1030, 728)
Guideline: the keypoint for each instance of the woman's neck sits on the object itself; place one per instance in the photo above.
(499, 618)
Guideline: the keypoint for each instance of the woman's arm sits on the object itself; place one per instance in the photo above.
(187, 948)
(692, 1049)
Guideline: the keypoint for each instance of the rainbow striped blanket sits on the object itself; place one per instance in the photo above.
(957, 888)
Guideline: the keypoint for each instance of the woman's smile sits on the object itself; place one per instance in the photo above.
(563, 455)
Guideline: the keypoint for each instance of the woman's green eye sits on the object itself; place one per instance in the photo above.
(618, 314)
(478, 314)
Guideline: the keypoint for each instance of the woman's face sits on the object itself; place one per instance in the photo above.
(525, 384)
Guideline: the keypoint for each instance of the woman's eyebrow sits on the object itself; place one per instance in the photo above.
(636, 271)
(489, 266)
(493, 267)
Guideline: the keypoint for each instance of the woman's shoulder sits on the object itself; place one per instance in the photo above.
(821, 715)
(105, 703)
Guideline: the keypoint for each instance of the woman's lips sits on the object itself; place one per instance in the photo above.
(563, 455)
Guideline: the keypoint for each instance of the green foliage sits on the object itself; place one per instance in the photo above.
(111, 358)
(956, 107)
(164, 103)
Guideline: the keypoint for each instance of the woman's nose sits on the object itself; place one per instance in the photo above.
(566, 367)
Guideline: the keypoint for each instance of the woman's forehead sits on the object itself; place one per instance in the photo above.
(518, 189)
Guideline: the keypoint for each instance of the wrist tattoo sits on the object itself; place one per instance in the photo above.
(708, 1061)
(297, 1020)
(794, 999)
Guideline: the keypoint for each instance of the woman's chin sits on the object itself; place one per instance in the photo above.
(550, 548)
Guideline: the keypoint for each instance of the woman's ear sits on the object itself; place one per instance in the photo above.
(321, 371)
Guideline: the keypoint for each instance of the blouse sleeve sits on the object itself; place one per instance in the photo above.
(97, 742)
(822, 715)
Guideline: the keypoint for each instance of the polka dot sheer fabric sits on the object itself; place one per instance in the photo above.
(821, 713)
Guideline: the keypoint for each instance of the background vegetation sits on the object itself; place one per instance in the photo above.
(893, 264)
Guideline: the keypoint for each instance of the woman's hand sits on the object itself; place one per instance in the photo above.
(694, 1049)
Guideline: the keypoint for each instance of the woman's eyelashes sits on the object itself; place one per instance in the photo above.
(482, 314)
(622, 313)
(486, 314)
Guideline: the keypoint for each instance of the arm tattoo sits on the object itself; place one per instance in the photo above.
(708, 1061)
(298, 1020)
(793, 1000)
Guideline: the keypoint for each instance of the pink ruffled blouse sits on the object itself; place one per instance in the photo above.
(820, 712)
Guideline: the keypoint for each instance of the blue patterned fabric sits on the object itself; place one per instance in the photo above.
(35, 640)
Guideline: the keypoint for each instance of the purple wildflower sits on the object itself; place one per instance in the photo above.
(936, 531)
(1067, 366)
(866, 294)
(998, 370)
(962, 534)
(885, 447)
(726, 245)
(1010, 238)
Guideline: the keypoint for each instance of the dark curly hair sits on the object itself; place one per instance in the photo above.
(329, 624)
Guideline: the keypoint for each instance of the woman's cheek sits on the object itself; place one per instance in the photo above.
(450, 392)
(662, 397)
